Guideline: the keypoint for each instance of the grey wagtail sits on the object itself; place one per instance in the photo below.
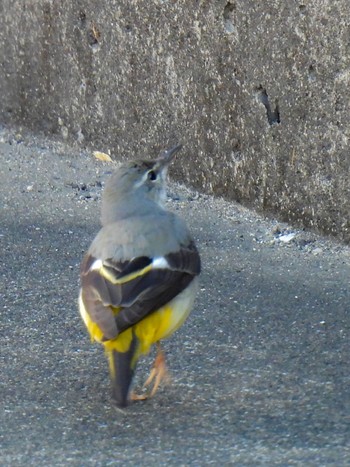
(139, 276)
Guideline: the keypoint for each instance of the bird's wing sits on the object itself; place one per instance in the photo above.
(138, 287)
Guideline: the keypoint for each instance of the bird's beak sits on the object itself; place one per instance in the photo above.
(167, 156)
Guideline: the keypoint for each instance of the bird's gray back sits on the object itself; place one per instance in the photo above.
(141, 235)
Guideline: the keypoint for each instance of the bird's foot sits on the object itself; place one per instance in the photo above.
(138, 397)
(158, 373)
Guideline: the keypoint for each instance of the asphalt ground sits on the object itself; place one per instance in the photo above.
(260, 370)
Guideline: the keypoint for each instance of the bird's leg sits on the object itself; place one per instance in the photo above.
(158, 373)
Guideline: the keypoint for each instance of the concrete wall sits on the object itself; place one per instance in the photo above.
(258, 92)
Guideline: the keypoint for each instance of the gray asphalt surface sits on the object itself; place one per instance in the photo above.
(260, 371)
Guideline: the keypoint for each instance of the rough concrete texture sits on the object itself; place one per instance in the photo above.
(258, 92)
(260, 370)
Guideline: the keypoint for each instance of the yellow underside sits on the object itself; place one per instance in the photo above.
(156, 326)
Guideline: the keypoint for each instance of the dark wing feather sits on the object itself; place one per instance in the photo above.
(156, 288)
(139, 296)
(186, 259)
(134, 265)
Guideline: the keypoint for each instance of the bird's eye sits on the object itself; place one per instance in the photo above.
(152, 175)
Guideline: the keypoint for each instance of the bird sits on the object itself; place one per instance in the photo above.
(139, 278)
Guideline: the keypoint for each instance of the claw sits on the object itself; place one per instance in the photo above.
(138, 397)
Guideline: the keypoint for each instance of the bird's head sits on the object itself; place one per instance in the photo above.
(140, 180)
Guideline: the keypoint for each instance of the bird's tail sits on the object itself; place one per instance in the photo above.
(122, 367)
